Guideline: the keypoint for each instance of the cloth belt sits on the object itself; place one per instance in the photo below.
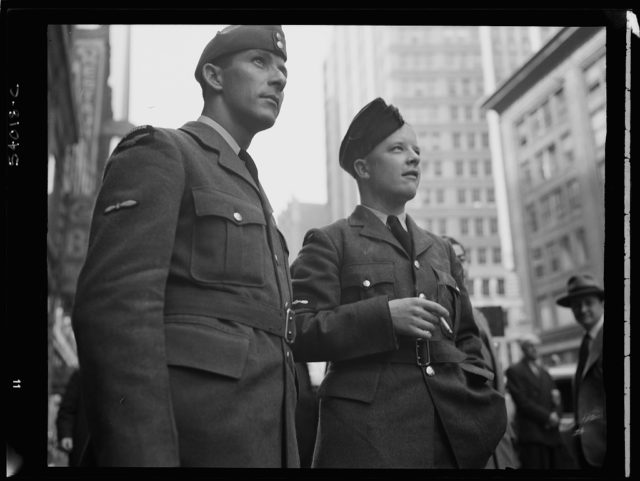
(230, 307)
(439, 351)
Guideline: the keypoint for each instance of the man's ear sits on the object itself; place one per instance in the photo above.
(213, 76)
(361, 168)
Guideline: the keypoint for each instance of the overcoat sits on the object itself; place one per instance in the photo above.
(182, 313)
(590, 406)
(532, 395)
(378, 407)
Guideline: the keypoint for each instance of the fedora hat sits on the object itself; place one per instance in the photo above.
(580, 285)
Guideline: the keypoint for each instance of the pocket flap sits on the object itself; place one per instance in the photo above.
(358, 382)
(366, 275)
(447, 279)
(218, 203)
(203, 347)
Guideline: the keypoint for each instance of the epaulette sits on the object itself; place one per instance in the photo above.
(134, 136)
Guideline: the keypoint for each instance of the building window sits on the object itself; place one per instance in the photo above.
(470, 285)
(485, 288)
(581, 250)
(493, 225)
(473, 168)
(464, 226)
(527, 175)
(497, 255)
(468, 113)
(599, 126)
(532, 217)
(485, 140)
(491, 198)
(437, 168)
(566, 146)
(482, 255)
(500, 286)
(475, 195)
(566, 258)
(554, 260)
(459, 168)
(426, 196)
(479, 226)
(455, 137)
(487, 167)
(439, 196)
(453, 112)
(471, 140)
(573, 194)
(522, 132)
(546, 114)
(560, 105)
(442, 226)
(545, 210)
(557, 205)
(462, 196)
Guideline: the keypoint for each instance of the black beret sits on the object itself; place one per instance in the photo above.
(374, 123)
(236, 38)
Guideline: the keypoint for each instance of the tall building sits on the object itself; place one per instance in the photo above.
(435, 75)
(296, 220)
(552, 120)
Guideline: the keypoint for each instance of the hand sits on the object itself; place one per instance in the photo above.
(416, 317)
(66, 444)
(554, 420)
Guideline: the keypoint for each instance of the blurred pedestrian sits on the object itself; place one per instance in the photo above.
(182, 314)
(505, 455)
(71, 423)
(585, 298)
(384, 302)
(537, 409)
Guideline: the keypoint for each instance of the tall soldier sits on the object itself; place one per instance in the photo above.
(406, 385)
(183, 305)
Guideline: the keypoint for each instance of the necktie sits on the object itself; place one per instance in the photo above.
(251, 165)
(399, 233)
(582, 356)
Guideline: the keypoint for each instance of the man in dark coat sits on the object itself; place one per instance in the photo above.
(406, 386)
(182, 314)
(537, 409)
(586, 300)
(505, 455)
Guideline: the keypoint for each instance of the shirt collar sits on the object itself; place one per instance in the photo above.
(593, 332)
(383, 217)
(222, 131)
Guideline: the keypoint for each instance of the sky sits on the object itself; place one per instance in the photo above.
(164, 93)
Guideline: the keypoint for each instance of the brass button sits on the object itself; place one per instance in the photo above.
(430, 372)
(279, 44)
(278, 36)
(422, 296)
(237, 216)
(366, 283)
(416, 264)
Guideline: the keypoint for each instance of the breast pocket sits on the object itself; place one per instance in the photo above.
(448, 294)
(229, 240)
(364, 281)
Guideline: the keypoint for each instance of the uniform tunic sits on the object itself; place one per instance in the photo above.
(182, 310)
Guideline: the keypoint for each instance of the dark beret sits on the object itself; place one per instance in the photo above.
(236, 38)
(374, 123)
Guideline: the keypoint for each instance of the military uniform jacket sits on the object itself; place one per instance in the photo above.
(534, 402)
(181, 310)
(590, 406)
(378, 408)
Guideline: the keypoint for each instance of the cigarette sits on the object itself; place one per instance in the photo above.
(446, 325)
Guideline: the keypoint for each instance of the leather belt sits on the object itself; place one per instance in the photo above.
(223, 305)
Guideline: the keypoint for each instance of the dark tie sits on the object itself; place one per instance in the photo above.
(582, 356)
(399, 233)
(251, 165)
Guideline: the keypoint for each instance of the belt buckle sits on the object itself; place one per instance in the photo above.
(424, 360)
(289, 325)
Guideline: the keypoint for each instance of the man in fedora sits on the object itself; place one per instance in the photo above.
(586, 299)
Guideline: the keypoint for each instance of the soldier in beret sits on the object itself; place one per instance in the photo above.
(384, 302)
(585, 298)
(183, 312)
